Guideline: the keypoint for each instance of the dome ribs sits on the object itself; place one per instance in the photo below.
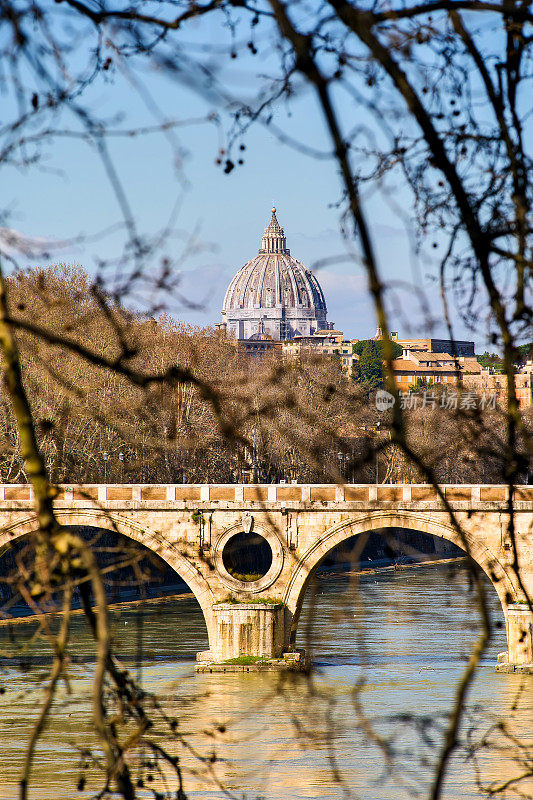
(260, 296)
(277, 275)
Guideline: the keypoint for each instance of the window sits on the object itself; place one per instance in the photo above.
(398, 378)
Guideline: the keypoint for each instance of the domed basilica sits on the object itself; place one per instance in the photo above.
(274, 295)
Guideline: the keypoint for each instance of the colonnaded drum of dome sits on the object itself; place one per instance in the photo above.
(274, 295)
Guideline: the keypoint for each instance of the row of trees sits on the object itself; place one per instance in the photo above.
(524, 353)
(296, 420)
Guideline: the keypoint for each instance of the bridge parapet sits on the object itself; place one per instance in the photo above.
(277, 495)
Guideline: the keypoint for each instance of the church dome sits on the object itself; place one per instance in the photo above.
(274, 293)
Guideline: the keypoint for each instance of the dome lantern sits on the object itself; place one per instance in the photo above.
(274, 240)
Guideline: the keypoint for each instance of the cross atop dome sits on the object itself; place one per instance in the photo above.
(274, 240)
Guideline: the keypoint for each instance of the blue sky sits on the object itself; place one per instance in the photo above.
(225, 214)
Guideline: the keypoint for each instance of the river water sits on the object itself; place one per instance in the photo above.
(388, 651)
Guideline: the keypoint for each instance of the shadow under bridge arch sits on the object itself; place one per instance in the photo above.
(170, 552)
(475, 547)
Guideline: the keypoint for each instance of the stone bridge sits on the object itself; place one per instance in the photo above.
(191, 528)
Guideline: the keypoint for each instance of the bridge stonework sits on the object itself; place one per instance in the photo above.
(189, 525)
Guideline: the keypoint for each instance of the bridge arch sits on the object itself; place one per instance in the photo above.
(168, 551)
(306, 565)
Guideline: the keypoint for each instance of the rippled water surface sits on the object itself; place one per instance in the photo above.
(389, 653)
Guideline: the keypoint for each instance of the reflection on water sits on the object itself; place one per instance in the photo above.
(407, 637)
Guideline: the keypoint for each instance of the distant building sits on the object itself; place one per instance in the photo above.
(432, 368)
(457, 347)
(426, 361)
(259, 346)
(328, 342)
(274, 295)
(494, 382)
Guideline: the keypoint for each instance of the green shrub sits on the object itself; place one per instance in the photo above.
(265, 600)
(245, 660)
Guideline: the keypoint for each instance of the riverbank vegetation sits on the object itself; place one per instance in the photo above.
(299, 419)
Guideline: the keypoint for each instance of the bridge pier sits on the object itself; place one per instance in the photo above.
(519, 656)
(248, 634)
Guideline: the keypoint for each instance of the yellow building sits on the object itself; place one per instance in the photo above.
(432, 368)
(324, 342)
(494, 382)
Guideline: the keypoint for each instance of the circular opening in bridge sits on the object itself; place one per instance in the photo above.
(247, 556)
